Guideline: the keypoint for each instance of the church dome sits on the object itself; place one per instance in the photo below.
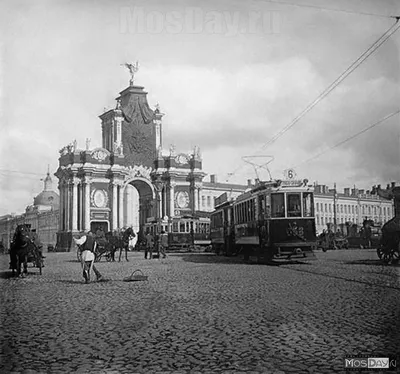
(47, 197)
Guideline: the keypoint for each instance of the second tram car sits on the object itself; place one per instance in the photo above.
(272, 220)
(183, 232)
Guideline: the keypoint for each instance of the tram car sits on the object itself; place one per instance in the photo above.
(222, 230)
(183, 232)
(273, 220)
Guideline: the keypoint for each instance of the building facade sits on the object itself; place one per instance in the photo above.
(42, 215)
(349, 207)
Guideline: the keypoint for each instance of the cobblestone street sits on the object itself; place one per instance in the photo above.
(199, 313)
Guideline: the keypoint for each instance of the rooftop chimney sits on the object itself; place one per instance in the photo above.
(347, 191)
(249, 183)
(213, 178)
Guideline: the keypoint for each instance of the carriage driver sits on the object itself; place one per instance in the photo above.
(87, 243)
(38, 244)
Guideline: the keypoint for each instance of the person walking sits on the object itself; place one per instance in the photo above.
(88, 245)
(163, 244)
(149, 245)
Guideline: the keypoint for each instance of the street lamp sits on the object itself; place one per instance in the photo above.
(334, 207)
(158, 185)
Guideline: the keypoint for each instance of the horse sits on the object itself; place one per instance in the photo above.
(120, 240)
(20, 248)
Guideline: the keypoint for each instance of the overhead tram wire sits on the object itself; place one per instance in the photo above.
(333, 85)
(4, 171)
(350, 138)
(338, 80)
(327, 9)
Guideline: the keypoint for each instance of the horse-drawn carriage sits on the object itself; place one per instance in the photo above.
(330, 240)
(24, 250)
(106, 246)
(389, 248)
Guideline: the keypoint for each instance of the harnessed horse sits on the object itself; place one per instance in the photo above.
(20, 247)
(121, 241)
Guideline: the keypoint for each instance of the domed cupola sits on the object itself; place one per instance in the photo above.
(47, 197)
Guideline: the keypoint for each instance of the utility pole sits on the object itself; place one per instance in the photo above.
(334, 207)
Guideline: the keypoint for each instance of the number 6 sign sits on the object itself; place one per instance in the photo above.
(290, 174)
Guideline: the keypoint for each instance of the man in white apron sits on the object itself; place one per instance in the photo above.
(88, 246)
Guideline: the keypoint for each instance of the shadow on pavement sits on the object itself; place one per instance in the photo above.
(74, 281)
(210, 258)
(376, 262)
(8, 275)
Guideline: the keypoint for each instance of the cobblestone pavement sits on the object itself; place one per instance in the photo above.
(199, 313)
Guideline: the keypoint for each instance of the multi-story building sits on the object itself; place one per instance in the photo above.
(42, 215)
(352, 206)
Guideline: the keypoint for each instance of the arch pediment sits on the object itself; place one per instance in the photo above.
(138, 171)
(100, 154)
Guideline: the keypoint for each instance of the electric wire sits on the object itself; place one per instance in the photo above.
(337, 81)
(332, 86)
(3, 171)
(349, 138)
(327, 9)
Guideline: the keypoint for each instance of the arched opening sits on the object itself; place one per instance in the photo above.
(138, 203)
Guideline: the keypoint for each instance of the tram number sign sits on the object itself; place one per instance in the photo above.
(294, 230)
(290, 174)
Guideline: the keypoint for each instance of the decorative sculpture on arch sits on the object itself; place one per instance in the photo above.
(172, 150)
(138, 171)
(197, 153)
(118, 148)
(133, 69)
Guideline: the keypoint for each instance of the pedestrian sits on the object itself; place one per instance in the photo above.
(163, 244)
(149, 245)
(88, 246)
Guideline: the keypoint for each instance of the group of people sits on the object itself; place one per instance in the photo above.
(151, 245)
(87, 243)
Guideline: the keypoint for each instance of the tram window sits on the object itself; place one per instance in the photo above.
(308, 205)
(261, 207)
(278, 205)
(293, 204)
(182, 227)
(175, 227)
(187, 226)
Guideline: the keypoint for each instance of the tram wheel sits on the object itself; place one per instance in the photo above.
(395, 256)
(379, 252)
(387, 257)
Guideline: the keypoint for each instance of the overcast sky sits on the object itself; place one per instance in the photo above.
(228, 75)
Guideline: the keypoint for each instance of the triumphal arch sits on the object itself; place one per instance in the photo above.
(130, 179)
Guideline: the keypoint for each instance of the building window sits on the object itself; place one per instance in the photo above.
(203, 201)
(317, 207)
(326, 207)
(209, 201)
